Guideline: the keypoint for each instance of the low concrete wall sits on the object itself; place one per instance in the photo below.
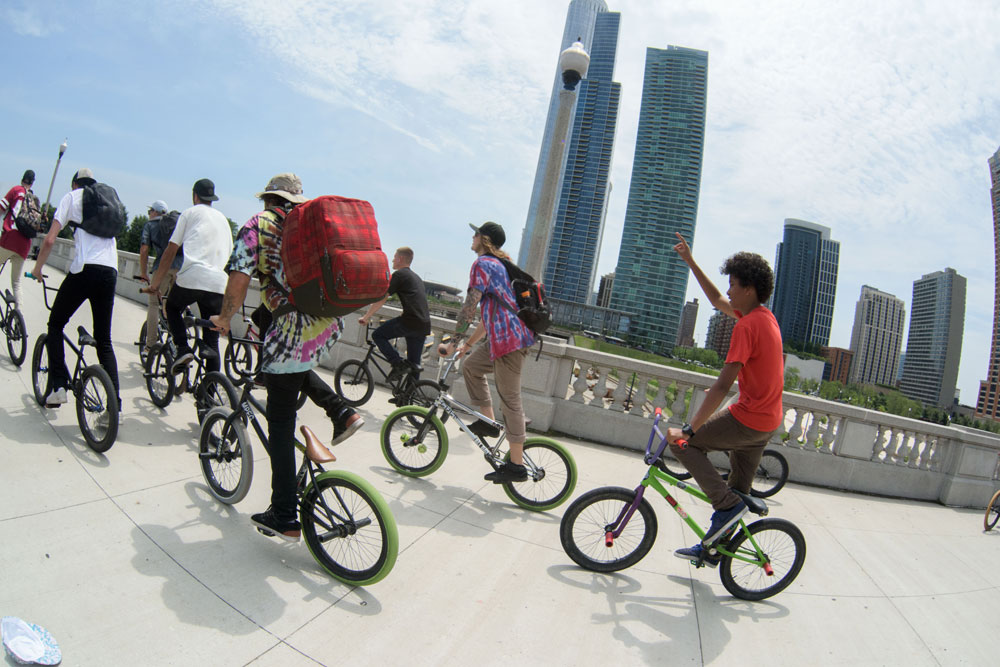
(588, 394)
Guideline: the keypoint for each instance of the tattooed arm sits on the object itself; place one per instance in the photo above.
(467, 315)
(236, 293)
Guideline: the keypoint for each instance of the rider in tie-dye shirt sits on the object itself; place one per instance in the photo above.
(293, 345)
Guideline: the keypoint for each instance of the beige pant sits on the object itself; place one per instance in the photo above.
(16, 267)
(152, 317)
(507, 374)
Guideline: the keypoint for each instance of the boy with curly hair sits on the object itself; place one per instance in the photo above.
(756, 360)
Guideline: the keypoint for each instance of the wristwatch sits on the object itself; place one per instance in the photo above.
(687, 430)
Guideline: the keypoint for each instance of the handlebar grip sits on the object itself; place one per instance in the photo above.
(207, 324)
(681, 443)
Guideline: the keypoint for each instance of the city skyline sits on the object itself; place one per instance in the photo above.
(434, 112)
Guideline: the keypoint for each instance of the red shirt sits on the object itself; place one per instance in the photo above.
(11, 239)
(756, 343)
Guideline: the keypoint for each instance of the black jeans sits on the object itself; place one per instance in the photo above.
(95, 283)
(395, 328)
(209, 303)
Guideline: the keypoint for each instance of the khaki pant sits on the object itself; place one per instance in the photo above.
(507, 374)
(15, 268)
(152, 317)
(722, 432)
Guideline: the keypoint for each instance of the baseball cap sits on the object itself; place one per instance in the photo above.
(83, 174)
(159, 206)
(205, 189)
(492, 231)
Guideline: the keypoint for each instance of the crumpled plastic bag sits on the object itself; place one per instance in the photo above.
(29, 644)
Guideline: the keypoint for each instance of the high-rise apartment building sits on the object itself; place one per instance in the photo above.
(578, 228)
(805, 282)
(876, 337)
(651, 279)
(689, 317)
(934, 342)
(581, 18)
(604, 291)
(720, 332)
(838, 364)
(988, 404)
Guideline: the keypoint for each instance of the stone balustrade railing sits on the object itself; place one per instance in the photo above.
(609, 399)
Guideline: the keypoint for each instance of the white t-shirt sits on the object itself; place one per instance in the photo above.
(207, 240)
(90, 249)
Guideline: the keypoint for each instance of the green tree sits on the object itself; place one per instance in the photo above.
(130, 237)
(791, 378)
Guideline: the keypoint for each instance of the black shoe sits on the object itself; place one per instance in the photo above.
(269, 524)
(484, 430)
(399, 369)
(346, 427)
(182, 362)
(507, 472)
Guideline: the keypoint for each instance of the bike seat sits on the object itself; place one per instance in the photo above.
(85, 338)
(755, 505)
(316, 451)
(8, 297)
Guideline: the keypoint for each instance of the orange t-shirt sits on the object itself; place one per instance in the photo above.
(756, 343)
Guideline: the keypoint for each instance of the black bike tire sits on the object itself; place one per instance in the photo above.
(238, 355)
(40, 385)
(211, 466)
(206, 399)
(775, 468)
(158, 371)
(422, 393)
(86, 402)
(777, 556)
(363, 497)
(17, 335)
(564, 475)
(583, 543)
(992, 512)
(396, 432)
(354, 373)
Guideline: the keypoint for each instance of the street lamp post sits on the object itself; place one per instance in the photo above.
(48, 197)
(573, 63)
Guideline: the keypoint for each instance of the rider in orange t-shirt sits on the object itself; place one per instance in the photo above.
(756, 360)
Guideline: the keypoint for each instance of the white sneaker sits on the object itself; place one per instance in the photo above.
(56, 398)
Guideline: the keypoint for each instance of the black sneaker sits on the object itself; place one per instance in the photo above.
(346, 427)
(484, 430)
(507, 472)
(399, 369)
(182, 362)
(269, 524)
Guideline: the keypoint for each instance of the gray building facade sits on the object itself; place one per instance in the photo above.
(877, 337)
(934, 341)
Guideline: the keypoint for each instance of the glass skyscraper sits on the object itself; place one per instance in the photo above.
(805, 285)
(934, 344)
(651, 279)
(581, 18)
(988, 401)
(571, 261)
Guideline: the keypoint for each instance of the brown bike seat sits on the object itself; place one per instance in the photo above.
(316, 451)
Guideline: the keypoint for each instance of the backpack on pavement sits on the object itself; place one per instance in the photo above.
(103, 212)
(29, 216)
(332, 256)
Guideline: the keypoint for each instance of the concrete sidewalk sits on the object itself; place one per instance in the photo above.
(126, 559)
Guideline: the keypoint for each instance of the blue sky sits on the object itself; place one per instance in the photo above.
(873, 119)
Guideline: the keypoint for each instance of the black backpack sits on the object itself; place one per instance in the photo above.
(160, 235)
(532, 307)
(29, 216)
(103, 212)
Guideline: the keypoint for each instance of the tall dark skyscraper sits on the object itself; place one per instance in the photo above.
(805, 285)
(581, 18)
(650, 279)
(571, 264)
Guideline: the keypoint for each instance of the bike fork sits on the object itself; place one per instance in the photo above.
(614, 530)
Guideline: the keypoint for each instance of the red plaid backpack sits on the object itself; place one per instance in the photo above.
(332, 256)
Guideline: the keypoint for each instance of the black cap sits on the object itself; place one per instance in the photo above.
(205, 189)
(29, 177)
(492, 231)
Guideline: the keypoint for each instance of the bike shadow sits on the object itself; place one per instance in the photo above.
(68, 435)
(637, 617)
(256, 576)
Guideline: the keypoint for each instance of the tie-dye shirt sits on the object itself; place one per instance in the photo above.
(295, 342)
(504, 328)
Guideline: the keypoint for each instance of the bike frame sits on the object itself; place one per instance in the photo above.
(658, 481)
(339, 525)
